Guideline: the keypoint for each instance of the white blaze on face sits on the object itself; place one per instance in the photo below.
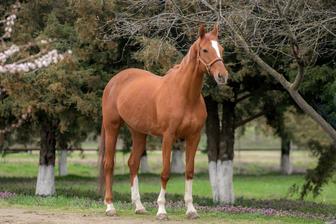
(214, 44)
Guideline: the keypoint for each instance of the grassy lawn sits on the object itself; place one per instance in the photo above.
(255, 187)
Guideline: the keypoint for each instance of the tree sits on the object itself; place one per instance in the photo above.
(299, 31)
(306, 133)
(65, 99)
(275, 118)
(289, 40)
(25, 61)
(242, 101)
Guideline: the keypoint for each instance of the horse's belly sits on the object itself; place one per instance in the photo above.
(136, 106)
(139, 119)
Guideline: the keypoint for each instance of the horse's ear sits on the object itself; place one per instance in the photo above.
(215, 30)
(201, 31)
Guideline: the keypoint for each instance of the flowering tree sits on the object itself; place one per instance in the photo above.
(65, 98)
(16, 60)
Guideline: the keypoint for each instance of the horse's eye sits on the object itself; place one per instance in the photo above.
(205, 50)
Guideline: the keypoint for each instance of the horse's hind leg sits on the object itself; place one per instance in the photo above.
(111, 135)
(138, 147)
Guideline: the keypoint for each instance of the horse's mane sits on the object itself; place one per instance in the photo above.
(184, 61)
(177, 66)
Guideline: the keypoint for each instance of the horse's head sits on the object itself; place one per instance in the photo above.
(210, 54)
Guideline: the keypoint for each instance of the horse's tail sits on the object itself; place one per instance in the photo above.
(101, 160)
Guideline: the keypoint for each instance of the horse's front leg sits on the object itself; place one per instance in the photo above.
(192, 143)
(167, 143)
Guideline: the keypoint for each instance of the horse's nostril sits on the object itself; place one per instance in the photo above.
(220, 76)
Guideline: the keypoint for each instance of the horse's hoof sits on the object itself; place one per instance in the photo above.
(111, 212)
(162, 216)
(141, 211)
(192, 215)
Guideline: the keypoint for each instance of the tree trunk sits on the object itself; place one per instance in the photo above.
(220, 150)
(144, 166)
(2, 141)
(226, 154)
(62, 163)
(285, 164)
(45, 185)
(177, 164)
(212, 130)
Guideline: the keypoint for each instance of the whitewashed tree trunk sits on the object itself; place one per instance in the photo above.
(62, 163)
(213, 180)
(45, 185)
(225, 178)
(286, 165)
(177, 164)
(144, 166)
(221, 180)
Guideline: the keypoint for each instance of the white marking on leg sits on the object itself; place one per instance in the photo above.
(110, 207)
(136, 195)
(214, 44)
(161, 202)
(188, 197)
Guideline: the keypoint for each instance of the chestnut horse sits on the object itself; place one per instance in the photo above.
(170, 106)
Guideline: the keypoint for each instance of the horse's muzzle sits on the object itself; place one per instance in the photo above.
(221, 79)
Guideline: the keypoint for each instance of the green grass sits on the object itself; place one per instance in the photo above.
(246, 162)
(253, 188)
(81, 205)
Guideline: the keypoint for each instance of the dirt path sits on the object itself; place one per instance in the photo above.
(35, 216)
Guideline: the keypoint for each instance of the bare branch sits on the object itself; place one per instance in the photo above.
(298, 78)
(295, 48)
(241, 98)
(286, 9)
(251, 118)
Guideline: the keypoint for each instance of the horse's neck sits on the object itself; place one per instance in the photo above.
(189, 76)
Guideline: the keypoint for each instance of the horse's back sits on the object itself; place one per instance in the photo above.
(129, 75)
(128, 79)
